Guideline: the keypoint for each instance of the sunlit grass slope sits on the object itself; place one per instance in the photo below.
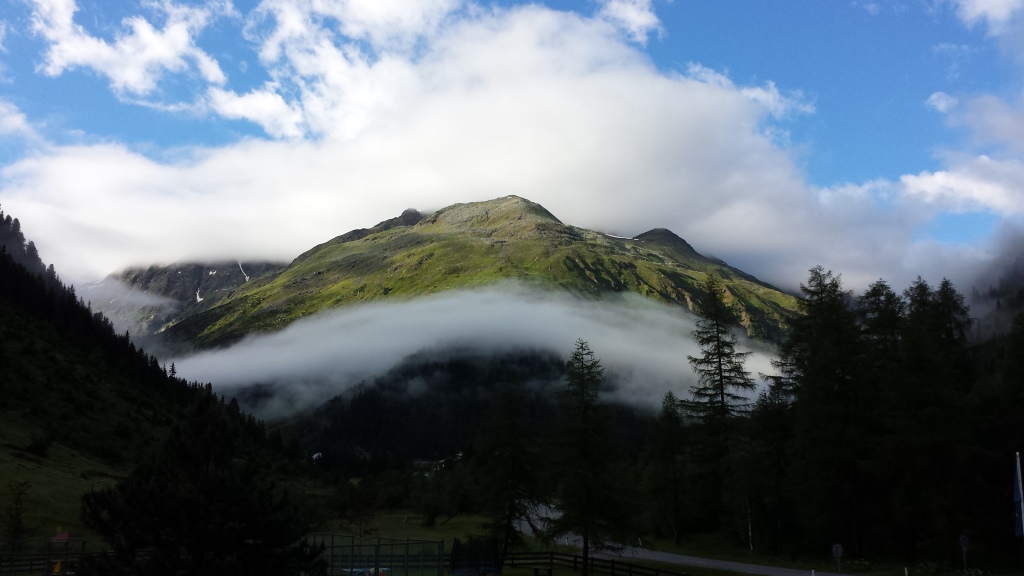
(471, 245)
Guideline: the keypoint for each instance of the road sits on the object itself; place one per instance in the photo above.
(678, 559)
(669, 558)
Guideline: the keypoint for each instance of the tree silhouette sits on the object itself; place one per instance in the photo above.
(722, 378)
(591, 501)
(202, 505)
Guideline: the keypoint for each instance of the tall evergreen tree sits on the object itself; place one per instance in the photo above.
(721, 375)
(667, 469)
(820, 365)
(511, 490)
(716, 400)
(591, 502)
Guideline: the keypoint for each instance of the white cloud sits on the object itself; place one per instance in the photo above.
(140, 55)
(557, 107)
(14, 123)
(995, 13)
(387, 25)
(942, 102)
(980, 183)
(635, 17)
(264, 107)
(992, 120)
(767, 96)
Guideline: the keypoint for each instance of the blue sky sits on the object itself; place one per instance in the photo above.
(878, 139)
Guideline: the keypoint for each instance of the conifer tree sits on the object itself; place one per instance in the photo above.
(716, 400)
(591, 501)
(511, 487)
(668, 469)
(820, 365)
(721, 375)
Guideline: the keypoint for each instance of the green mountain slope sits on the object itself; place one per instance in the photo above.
(79, 403)
(471, 245)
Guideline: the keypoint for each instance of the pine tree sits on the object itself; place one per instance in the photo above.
(721, 375)
(591, 501)
(668, 469)
(716, 400)
(821, 366)
(511, 487)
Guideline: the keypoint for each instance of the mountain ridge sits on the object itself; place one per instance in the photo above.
(472, 245)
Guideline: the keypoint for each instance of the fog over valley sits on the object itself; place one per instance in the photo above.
(642, 344)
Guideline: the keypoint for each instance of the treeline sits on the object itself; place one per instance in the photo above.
(882, 429)
(30, 288)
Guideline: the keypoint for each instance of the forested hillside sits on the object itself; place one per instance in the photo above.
(80, 404)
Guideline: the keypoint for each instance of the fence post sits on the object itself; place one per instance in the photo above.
(376, 558)
(573, 562)
(613, 567)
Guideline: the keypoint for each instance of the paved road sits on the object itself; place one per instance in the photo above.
(669, 558)
(681, 560)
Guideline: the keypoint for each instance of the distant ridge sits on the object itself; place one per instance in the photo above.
(476, 244)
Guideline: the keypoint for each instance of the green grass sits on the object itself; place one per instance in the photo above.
(87, 423)
(56, 481)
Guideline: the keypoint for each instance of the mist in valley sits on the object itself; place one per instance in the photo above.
(643, 345)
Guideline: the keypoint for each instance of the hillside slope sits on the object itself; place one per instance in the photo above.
(470, 245)
(79, 403)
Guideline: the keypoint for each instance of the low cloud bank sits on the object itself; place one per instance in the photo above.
(643, 345)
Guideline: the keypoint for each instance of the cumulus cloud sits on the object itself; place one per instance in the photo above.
(13, 123)
(942, 102)
(996, 14)
(139, 55)
(466, 104)
(643, 344)
(976, 184)
(264, 107)
(993, 120)
(635, 17)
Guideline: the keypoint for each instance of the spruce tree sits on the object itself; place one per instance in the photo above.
(668, 463)
(716, 400)
(511, 486)
(721, 376)
(591, 501)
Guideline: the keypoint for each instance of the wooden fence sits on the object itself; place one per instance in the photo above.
(350, 556)
(60, 557)
(574, 562)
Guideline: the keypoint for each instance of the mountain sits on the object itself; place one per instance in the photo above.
(144, 301)
(472, 245)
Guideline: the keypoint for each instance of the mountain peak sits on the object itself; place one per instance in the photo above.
(667, 238)
(492, 213)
